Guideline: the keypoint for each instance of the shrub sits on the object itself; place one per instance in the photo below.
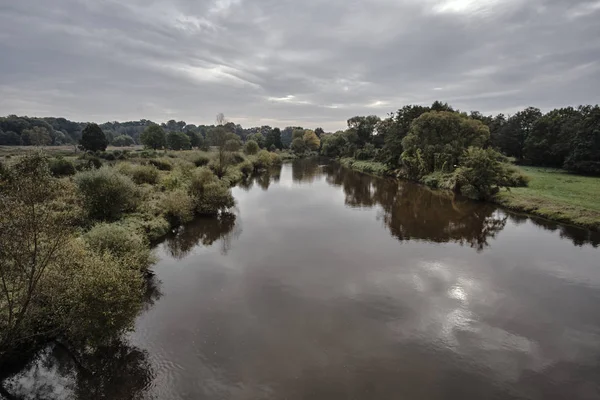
(201, 160)
(481, 173)
(144, 174)
(108, 156)
(236, 158)
(148, 153)
(162, 164)
(209, 195)
(106, 193)
(251, 147)
(263, 160)
(246, 168)
(122, 242)
(178, 207)
(61, 167)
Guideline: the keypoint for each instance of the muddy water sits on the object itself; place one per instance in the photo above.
(329, 284)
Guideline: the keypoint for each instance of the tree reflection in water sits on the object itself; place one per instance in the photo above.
(205, 231)
(115, 370)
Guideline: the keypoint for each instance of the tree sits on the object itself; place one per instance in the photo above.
(258, 138)
(311, 140)
(394, 130)
(585, 154)
(482, 173)
(364, 128)
(549, 141)
(319, 132)
(9, 138)
(512, 137)
(32, 236)
(196, 139)
(123, 141)
(273, 138)
(226, 142)
(36, 136)
(333, 146)
(298, 133)
(93, 139)
(251, 147)
(178, 141)
(298, 146)
(437, 139)
(153, 137)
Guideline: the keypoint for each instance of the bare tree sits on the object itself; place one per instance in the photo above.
(221, 119)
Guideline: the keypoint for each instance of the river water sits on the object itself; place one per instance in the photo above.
(330, 284)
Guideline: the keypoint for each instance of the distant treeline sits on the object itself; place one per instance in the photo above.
(563, 138)
(32, 131)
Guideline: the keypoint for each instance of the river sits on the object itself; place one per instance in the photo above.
(330, 284)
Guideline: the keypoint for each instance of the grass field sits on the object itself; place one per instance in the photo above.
(557, 195)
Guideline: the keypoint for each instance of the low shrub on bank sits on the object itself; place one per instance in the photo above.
(106, 194)
(178, 207)
(145, 174)
(61, 167)
(121, 241)
(209, 194)
(163, 164)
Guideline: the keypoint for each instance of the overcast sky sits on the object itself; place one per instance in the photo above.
(293, 62)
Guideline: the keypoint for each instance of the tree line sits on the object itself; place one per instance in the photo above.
(562, 138)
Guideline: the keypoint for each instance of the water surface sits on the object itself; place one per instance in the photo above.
(330, 284)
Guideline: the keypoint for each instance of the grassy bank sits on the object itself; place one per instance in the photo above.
(557, 195)
(552, 193)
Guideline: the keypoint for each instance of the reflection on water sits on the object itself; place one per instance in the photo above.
(205, 231)
(345, 286)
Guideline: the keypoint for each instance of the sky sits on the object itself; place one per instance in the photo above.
(293, 62)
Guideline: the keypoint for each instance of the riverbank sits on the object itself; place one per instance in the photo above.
(551, 193)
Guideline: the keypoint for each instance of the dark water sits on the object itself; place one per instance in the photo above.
(329, 284)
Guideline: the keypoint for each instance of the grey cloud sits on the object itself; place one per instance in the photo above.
(283, 62)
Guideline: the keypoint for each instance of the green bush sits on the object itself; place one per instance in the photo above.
(209, 194)
(246, 168)
(236, 158)
(122, 242)
(178, 207)
(263, 160)
(108, 156)
(481, 173)
(144, 174)
(162, 164)
(148, 153)
(251, 147)
(106, 194)
(61, 167)
(201, 160)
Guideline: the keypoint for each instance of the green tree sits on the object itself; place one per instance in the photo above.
(333, 146)
(364, 128)
(258, 138)
(298, 133)
(482, 173)
(320, 132)
(32, 236)
(273, 138)
(512, 137)
(394, 129)
(123, 141)
(9, 138)
(298, 146)
(251, 147)
(153, 137)
(36, 136)
(178, 141)
(93, 139)
(549, 141)
(311, 140)
(585, 154)
(437, 139)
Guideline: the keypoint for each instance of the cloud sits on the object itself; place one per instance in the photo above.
(310, 62)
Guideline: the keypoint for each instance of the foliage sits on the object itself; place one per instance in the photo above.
(251, 147)
(144, 174)
(334, 146)
(153, 137)
(298, 146)
(61, 167)
(178, 207)
(123, 141)
(210, 196)
(585, 155)
(394, 129)
(106, 194)
(482, 173)
(549, 141)
(273, 139)
(93, 139)
(437, 139)
(122, 242)
(178, 141)
(364, 127)
(36, 136)
(201, 160)
(258, 138)
(162, 164)
(366, 153)
(33, 234)
(311, 140)
(513, 135)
